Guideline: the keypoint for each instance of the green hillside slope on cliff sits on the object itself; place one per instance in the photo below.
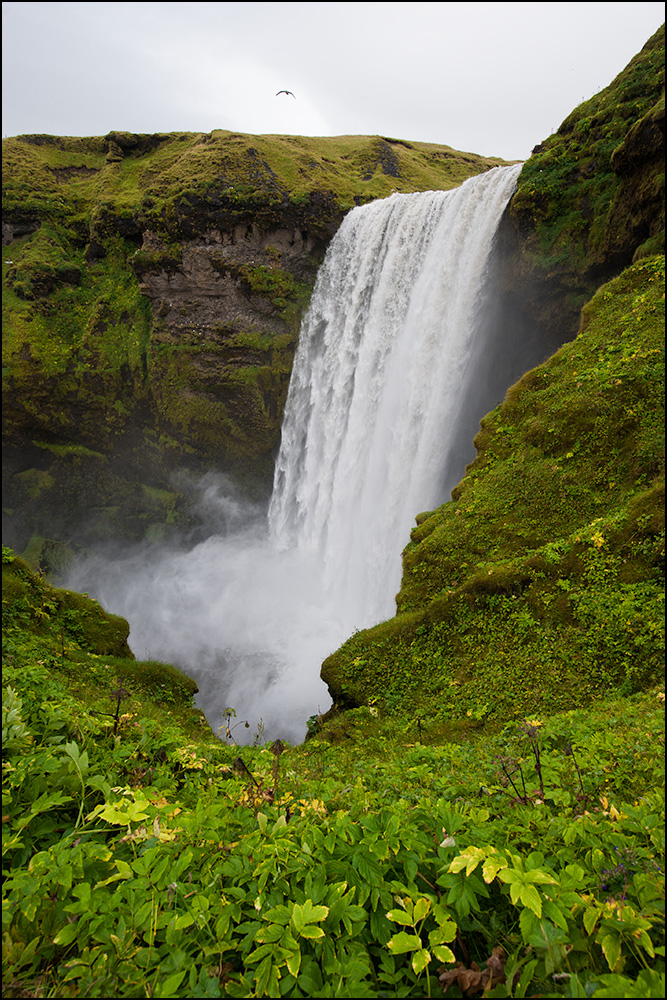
(592, 196)
(540, 585)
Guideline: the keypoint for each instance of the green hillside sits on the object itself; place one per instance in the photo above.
(540, 585)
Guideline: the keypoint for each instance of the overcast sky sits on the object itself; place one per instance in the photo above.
(490, 78)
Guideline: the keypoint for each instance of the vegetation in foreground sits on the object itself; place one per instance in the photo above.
(144, 857)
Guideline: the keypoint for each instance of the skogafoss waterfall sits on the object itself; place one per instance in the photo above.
(381, 370)
(387, 357)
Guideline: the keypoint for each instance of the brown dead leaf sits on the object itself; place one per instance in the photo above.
(474, 981)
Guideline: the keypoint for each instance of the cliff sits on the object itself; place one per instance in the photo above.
(153, 289)
(590, 199)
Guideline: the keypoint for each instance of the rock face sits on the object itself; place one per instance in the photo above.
(153, 292)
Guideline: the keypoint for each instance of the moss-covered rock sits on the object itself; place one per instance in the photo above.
(591, 197)
(540, 585)
(31, 606)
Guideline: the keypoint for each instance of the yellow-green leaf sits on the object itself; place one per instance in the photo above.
(530, 897)
(491, 867)
(402, 942)
(420, 960)
(443, 953)
(611, 947)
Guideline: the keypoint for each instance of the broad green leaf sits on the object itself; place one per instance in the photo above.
(570, 834)
(531, 929)
(468, 859)
(123, 813)
(554, 913)
(311, 931)
(401, 943)
(510, 876)
(645, 942)
(400, 917)
(72, 750)
(443, 953)
(611, 947)
(293, 961)
(598, 860)
(442, 914)
(170, 985)
(67, 934)
(420, 960)
(270, 934)
(446, 932)
(526, 977)
(422, 906)
(538, 877)
(591, 915)
(263, 975)
(492, 866)
(530, 897)
(271, 950)
(307, 913)
(278, 915)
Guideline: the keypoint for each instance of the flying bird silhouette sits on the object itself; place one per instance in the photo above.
(286, 92)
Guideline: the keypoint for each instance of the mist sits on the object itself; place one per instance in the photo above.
(248, 622)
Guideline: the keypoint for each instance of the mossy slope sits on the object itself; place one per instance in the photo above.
(64, 644)
(540, 586)
(591, 198)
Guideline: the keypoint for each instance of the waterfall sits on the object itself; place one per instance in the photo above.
(381, 370)
(389, 357)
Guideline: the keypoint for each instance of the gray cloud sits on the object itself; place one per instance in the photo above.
(492, 78)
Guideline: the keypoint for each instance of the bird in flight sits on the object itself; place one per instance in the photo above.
(286, 92)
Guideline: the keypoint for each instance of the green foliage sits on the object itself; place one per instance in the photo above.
(143, 856)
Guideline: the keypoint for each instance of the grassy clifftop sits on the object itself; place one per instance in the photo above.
(150, 178)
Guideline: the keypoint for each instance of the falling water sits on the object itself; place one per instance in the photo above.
(386, 359)
(380, 374)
